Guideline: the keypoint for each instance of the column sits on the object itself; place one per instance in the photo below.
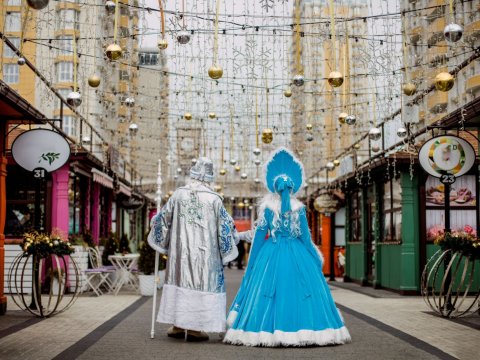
(87, 203)
(95, 224)
(326, 242)
(60, 211)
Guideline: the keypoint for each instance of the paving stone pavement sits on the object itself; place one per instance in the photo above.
(110, 327)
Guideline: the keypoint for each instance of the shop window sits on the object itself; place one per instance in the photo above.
(75, 223)
(11, 73)
(355, 217)
(392, 211)
(26, 202)
(7, 52)
(12, 22)
(462, 206)
(340, 227)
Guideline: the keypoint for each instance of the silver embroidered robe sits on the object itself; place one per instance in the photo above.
(198, 235)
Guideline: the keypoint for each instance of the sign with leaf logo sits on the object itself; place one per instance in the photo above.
(40, 149)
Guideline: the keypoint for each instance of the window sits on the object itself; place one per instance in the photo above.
(123, 32)
(12, 21)
(124, 75)
(14, 2)
(392, 211)
(65, 45)
(148, 59)
(68, 19)
(68, 126)
(7, 52)
(10, 73)
(64, 71)
(340, 227)
(355, 217)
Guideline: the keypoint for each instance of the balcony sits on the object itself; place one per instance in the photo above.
(435, 7)
(437, 102)
(472, 31)
(473, 83)
(435, 30)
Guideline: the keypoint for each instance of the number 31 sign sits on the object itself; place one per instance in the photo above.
(446, 157)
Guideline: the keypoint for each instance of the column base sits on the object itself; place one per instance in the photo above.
(3, 305)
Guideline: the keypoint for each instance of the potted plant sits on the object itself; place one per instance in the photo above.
(146, 265)
(110, 248)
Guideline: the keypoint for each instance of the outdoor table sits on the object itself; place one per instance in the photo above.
(124, 265)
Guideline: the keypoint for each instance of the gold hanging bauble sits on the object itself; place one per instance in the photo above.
(113, 52)
(222, 172)
(162, 44)
(288, 92)
(241, 205)
(336, 162)
(267, 136)
(309, 126)
(342, 117)
(94, 81)
(215, 72)
(237, 168)
(187, 116)
(409, 89)
(356, 146)
(444, 81)
(212, 115)
(335, 78)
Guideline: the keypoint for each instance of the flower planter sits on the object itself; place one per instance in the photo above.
(147, 284)
(80, 256)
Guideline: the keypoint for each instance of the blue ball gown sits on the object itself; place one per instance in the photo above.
(284, 299)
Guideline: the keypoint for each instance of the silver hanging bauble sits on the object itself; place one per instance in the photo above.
(133, 128)
(401, 132)
(256, 180)
(175, 177)
(110, 6)
(129, 102)
(351, 120)
(374, 134)
(183, 37)
(298, 80)
(256, 151)
(38, 4)
(244, 176)
(233, 161)
(257, 162)
(453, 32)
(179, 170)
(309, 137)
(86, 139)
(194, 161)
(375, 148)
(330, 166)
(21, 61)
(74, 99)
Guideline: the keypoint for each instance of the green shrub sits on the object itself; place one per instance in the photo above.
(111, 247)
(146, 261)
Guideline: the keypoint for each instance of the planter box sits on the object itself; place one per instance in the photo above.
(11, 252)
(147, 284)
(81, 258)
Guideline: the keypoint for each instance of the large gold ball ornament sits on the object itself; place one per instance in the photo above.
(409, 89)
(162, 44)
(444, 81)
(113, 52)
(215, 72)
(356, 146)
(212, 115)
(342, 117)
(287, 93)
(335, 78)
(309, 127)
(237, 168)
(267, 136)
(336, 162)
(94, 80)
(222, 172)
(240, 205)
(187, 116)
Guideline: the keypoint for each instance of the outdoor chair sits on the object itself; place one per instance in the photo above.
(98, 276)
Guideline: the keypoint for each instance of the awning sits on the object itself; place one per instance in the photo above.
(102, 178)
(124, 189)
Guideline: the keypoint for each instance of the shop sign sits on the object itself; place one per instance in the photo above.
(40, 151)
(325, 203)
(447, 157)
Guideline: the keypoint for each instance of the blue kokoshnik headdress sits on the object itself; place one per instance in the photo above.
(284, 175)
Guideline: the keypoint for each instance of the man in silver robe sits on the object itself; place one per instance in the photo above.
(198, 235)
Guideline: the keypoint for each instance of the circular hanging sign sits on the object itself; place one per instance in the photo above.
(446, 157)
(40, 149)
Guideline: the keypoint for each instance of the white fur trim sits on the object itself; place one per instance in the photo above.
(232, 316)
(281, 338)
(192, 309)
(320, 255)
(274, 203)
(230, 257)
(265, 166)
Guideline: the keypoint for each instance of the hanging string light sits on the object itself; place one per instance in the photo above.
(162, 43)
(408, 88)
(298, 79)
(21, 60)
(94, 80)
(222, 169)
(335, 78)
(183, 36)
(215, 71)
(114, 51)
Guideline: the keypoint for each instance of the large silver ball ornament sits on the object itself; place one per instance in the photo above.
(233, 161)
(298, 80)
(330, 166)
(401, 132)
(38, 4)
(110, 6)
(194, 161)
(74, 99)
(256, 181)
(243, 176)
(256, 151)
(374, 134)
(453, 32)
(375, 148)
(351, 120)
(21, 61)
(309, 137)
(179, 170)
(183, 37)
(129, 102)
(257, 162)
(133, 128)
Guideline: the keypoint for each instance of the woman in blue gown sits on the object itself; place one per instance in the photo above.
(284, 299)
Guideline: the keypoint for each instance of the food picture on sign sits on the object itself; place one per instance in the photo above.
(462, 192)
